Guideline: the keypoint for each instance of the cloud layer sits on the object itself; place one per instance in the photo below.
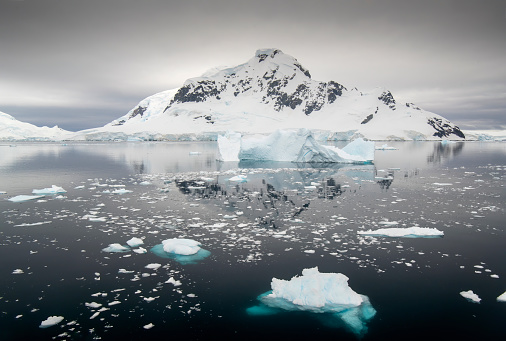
(85, 63)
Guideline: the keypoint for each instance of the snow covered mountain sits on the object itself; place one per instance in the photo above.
(273, 91)
(14, 130)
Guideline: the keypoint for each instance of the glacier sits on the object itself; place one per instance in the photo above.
(407, 232)
(317, 292)
(292, 146)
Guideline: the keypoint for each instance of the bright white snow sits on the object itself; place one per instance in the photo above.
(134, 242)
(115, 247)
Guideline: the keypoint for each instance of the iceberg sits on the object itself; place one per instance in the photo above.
(317, 292)
(22, 198)
(470, 296)
(292, 146)
(184, 251)
(407, 232)
(183, 247)
(51, 321)
(49, 191)
(115, 247)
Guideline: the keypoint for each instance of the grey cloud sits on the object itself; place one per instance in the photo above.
(107, 54)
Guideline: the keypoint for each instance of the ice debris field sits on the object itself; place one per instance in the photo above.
(156, 249)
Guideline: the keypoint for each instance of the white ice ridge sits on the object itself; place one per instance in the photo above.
(49, 191)
(412, 232)
(183, 247)
(292, 146)
(51, 321)
(470, 296)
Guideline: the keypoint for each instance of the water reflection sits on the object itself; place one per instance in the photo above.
(259, 200)
(445, 151)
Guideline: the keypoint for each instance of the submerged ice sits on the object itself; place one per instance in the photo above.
(318, 292)
(183, 251)
(292, 146)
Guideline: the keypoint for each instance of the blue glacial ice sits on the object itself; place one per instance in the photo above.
(406, 232)
(315, 292)
(183, 251)
(292, 146)
(49, 191)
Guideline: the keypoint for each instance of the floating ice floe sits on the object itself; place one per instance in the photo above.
(134, 242)
(502, 297)
(184, 251)
(148, 326)
(115, 247)
(292, 146)
(51, 321)
(49, 191)
(238, 178)
(317, 292)
(22, 198)
(407, 232)
(470, 296)
(120, 191)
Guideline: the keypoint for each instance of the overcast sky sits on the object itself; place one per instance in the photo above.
(83, 63)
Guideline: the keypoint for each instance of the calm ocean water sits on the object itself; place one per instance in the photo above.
(283, 219)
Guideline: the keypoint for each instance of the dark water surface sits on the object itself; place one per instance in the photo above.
(283, 219)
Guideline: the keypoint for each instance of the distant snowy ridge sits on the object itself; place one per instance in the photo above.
(272, 91)
(14, 130)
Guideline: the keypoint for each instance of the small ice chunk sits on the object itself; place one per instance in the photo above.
(49, 191)
(115, 247)
(181, 246)
(140, 250)
(148, 326)
(502, 297)
(93, 305)
(409, 232)
(470, 296)
(17, 272)
(173, 281)
(121, 191)
(238, 178)
(153, 266)
(134, 242)
(51, 321)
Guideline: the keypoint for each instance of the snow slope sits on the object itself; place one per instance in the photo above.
(273, 91)
(14, 130)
